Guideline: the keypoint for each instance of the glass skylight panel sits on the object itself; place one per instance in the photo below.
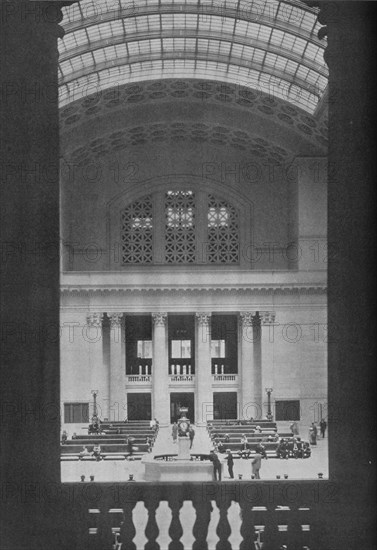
(281, 63)
(130, 24)
(312, 51)
(322, 83)
(154, 21)
(105, 30)
(237, 50)
(213, 46)
(277, 37)
(264, 33)
(168, 43)
(73, 40)
(224, 48)
(133, 48)
(258, 55)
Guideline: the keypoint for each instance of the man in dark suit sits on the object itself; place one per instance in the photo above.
(216, 465)
(230, 462)
(323, 426)
(256, 465)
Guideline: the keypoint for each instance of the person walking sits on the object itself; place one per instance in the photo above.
(230, 463)
(216, 465)
(323, 426)
(256, 465)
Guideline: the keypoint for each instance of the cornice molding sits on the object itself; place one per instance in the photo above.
(247, 289)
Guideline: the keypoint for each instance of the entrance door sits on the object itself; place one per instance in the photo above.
(287, 410)
(139, 406)
(178, 400)
(224, 405)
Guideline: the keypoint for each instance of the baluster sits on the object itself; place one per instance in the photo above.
(247, 526)
(151, 530)
(272, 538)
(318, 526)
(223, 529)
(105, 537)
(82, 522)
(203, 517)
(127, 528)
(295, 533)
(175, 530)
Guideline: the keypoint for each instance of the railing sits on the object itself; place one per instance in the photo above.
(225, 377)
(182, 378)
(200, 516)
(142, 378)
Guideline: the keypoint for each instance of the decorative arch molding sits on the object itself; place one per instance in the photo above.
(312, 129)
(155, 188)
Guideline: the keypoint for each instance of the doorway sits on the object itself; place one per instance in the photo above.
(225, 405)
(139, 406)
(178, 400)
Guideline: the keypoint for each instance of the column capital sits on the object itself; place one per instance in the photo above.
(159, 319)
(267, 317)
(115, 319)
(204, 318)
(94, 319)
(247, 318)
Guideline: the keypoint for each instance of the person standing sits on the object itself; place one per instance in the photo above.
(230, 463)
(323, 426)
(314, 434)
(216, 465)
(256, 465)
(294, 428)
(191, 435)
(174, 432)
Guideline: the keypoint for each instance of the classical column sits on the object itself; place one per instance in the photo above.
(250, 379)
(93, 335)
(117, 376)
(203, 374)
(29, 278)
(160, 396)
(267, 337)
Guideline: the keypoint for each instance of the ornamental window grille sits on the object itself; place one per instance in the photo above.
(180, 228)
(223, 232)
(137, 232)
(180, 238)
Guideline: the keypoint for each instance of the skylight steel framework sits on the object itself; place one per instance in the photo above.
(268, 45)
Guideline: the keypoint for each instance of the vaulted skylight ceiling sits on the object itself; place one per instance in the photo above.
(267, 45)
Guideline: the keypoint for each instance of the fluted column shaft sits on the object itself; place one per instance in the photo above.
(203, 374)
(250, 381)
(117, 381)
(267, 338)
(93, 335)
(160, 398)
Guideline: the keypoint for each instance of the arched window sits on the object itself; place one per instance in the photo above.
(191, 230)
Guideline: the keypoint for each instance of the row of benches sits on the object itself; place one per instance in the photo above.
(219, 429)
(113, 445)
